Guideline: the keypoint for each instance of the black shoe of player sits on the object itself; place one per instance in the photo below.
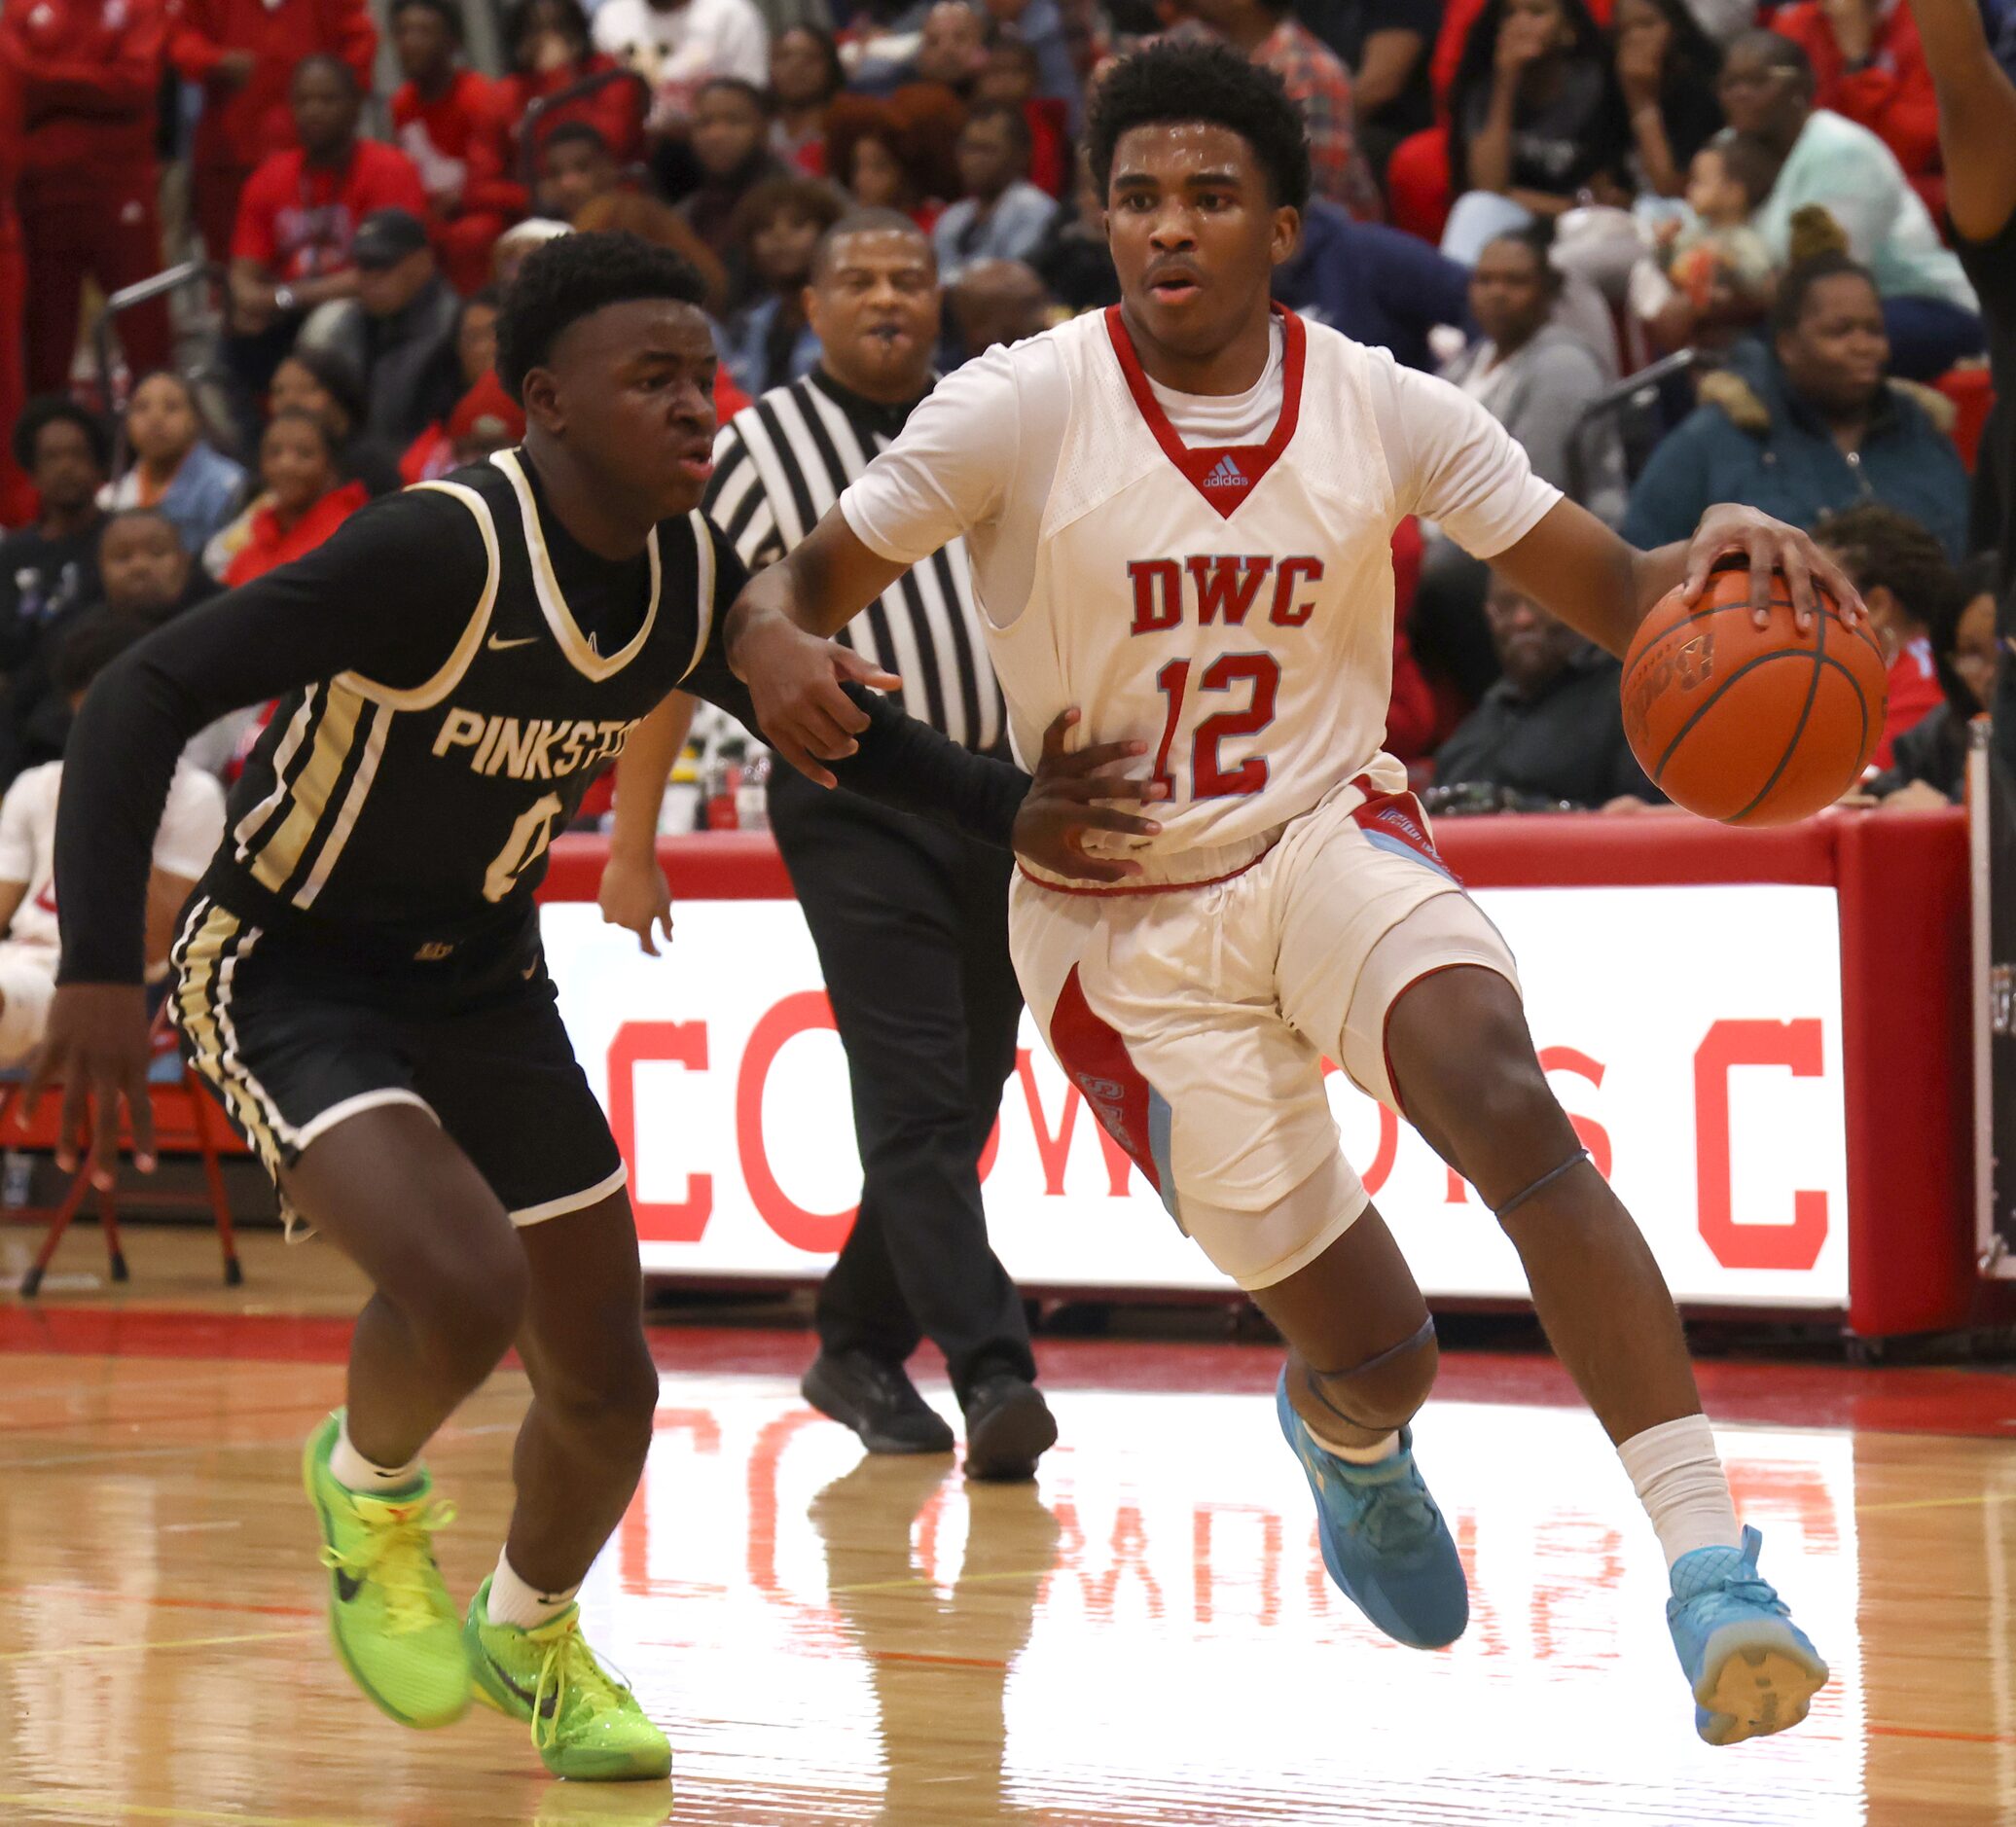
(1009, 1427)
(876, 1400)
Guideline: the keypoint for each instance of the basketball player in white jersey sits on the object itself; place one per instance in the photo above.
(1178, 515)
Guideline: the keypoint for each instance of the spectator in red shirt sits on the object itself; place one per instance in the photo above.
(445, 119)
(90, 71)
(1867, 65)
(550, 50)
(804, 75)
(291, 251)
(1009, 77)
(305, 500)
(244, 52)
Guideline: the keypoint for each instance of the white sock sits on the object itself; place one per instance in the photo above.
(355, 1472)
(1677, 1475)
(1382, 1448)
(512, 1601)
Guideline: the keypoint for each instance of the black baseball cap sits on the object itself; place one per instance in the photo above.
(385, 237)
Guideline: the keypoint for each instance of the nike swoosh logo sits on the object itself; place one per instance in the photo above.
(348, 1586)
(530, 971)
(523, 1694)
(497, 643)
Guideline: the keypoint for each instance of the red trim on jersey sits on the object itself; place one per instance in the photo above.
(1243, 465)
(1094, 1057)
(1144, 887)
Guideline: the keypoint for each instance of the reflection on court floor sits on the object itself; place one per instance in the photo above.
(1143, 1636)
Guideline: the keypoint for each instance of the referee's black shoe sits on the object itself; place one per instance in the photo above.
(1009, 1427)
(876, 1400)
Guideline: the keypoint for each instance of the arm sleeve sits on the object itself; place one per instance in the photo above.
(389, 595)
(1453, 463)
(901, 763)
(949, 471)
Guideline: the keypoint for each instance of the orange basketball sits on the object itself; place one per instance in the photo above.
(1751, 725)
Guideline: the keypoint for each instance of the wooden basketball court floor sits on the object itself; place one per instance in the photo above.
(1142, 1636)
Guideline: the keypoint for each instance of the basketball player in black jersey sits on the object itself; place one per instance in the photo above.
(359, 974)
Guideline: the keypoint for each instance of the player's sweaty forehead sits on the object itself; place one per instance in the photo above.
(1184, 155)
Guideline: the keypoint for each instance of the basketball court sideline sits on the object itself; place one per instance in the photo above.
(1143, 1636)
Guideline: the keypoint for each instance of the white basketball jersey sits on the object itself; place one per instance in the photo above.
(1234, 607)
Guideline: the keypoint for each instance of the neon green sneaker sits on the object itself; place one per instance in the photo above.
(391, 1617)
(586, 1723)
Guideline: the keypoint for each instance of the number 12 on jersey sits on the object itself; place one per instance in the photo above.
(1208, 778)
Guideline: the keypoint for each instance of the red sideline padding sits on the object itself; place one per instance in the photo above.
(1907, 1053)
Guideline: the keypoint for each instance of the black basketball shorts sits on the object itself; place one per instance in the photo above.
(297, 1034)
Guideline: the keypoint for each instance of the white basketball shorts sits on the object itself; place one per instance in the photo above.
(1196, 1021)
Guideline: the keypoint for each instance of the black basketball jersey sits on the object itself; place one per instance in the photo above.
(429, 810)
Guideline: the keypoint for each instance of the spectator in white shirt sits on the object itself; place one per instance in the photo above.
(192, 827)
(677, 45)
(1002, 215)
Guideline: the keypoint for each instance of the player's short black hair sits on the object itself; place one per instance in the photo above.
(58, 409)
(87, 647)
(1170, 82)
(576, 133)
(445, 11)
(574, 276)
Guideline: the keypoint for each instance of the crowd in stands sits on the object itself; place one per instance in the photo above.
(1541, 198)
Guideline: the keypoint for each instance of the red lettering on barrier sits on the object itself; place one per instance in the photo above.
(819, 1234)
(681, 1043)
(1795, 1046)
(1591, 1134)
(986, 1163)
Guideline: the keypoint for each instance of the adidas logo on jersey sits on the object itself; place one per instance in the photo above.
(1226, 475)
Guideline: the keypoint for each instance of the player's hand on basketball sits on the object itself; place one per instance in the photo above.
(635, 896)
(794, 680)
(1080, 791)
(97, 1049)
(1768, 546)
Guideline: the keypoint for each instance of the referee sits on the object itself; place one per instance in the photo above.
(911, 920)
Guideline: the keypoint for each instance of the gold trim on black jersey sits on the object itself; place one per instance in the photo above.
(425, 696)
(552, 605)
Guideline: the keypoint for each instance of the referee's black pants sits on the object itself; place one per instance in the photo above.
(911, 921)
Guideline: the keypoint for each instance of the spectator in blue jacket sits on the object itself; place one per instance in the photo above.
(1808, 426)
(1374, 283)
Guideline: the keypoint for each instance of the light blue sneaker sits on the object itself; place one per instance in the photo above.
(1752, 1670)
(1384, 1541)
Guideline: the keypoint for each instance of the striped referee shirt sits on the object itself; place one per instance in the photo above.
(778, 465)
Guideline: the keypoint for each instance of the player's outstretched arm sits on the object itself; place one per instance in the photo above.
(387, 596)
(1977, 116)
(777, 639)
(635, 893)
(1573, 565)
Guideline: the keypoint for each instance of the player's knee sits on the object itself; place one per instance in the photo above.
(1385, 1394)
